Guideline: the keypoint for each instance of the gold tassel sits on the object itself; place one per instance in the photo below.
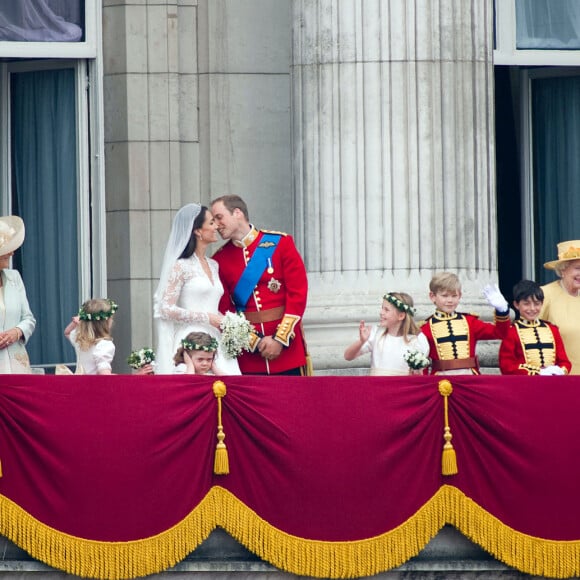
(221, 464)
(448, 459)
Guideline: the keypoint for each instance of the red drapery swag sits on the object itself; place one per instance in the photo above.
(114, 477)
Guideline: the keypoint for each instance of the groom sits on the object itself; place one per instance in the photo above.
(263, 276)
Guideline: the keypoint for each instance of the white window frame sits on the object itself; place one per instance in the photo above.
(92, 276)
(505, 52)
(85, 49)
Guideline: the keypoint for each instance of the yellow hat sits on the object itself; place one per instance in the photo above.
(11, 234)
(566, 251)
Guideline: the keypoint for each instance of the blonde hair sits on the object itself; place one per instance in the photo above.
(89, 332)
(200, 339)
(408, 326)
(445, 282)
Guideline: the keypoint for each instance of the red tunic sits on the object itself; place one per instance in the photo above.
(528, 348)
(457, 344)
(285, 288)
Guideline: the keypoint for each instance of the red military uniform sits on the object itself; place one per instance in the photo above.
(453, 337)
(277, 304)
(531, 346)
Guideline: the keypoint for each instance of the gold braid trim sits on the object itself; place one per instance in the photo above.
(116, 560)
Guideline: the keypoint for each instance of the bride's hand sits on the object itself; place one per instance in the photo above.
(215, 319)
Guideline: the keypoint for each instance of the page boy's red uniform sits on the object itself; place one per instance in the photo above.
(453, 337)
(530, 346)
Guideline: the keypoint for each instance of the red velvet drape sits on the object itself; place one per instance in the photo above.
(122, 458)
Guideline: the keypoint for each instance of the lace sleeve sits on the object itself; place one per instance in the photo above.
(169, 309)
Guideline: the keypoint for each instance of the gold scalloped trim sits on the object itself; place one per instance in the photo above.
(116, 560)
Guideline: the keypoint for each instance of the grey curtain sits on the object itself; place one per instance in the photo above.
(556, 150)
(44, 168)
(547, 24)
(41, 20)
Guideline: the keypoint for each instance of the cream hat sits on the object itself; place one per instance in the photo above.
(11, 234)
(566, 251)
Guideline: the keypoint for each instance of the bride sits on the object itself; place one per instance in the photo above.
(189, 290)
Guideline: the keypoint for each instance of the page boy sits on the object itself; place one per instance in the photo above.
(532, 346)
(453, 335)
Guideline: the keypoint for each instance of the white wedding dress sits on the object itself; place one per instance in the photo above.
(190, 295)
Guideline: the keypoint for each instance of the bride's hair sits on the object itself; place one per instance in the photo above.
(192, 242)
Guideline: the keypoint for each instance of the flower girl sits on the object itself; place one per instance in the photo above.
(196, 355)
(396, 344)
(90, 334)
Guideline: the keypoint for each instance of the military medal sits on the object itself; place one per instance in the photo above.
(270, 269)
(274, 285)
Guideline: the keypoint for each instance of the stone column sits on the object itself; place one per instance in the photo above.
(393, 154)
(151, 148)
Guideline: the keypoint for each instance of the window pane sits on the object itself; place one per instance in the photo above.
(548, 24)
(42, 20)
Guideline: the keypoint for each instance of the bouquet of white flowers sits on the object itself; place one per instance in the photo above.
(416, 359)
(236, 334)
(140, 358)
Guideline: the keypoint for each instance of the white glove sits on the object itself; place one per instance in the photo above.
(551, 370)
(495, 298)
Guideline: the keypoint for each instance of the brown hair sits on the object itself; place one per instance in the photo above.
(89, 332)
(232, 202)
(198, 338)
(192, 242)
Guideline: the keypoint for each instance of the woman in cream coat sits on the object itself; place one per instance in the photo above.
(16, 320)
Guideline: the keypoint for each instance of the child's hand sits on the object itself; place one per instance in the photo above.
(495, 298)
(144, 370)
(189, 368)
(551, 370)
(364, 331)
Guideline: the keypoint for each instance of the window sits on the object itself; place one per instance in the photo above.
(551, 113)
(48, 28)
(537, 32)
(50, 178)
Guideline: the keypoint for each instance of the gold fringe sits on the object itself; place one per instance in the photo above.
(117, 560)
(221, 464)
(107, 560)
(448, 459)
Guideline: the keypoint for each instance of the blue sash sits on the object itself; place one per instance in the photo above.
(254, 270)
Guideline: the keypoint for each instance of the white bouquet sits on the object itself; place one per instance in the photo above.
(140, 358)
(236, 334)
(416, 359)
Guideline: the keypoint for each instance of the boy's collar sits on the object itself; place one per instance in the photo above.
(440, 315)
(529, 323)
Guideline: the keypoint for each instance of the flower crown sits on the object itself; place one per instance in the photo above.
(101, 315)
(211, 347)
(399, 304)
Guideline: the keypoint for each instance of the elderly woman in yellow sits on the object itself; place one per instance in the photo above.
(562, 299)
(16, 321)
